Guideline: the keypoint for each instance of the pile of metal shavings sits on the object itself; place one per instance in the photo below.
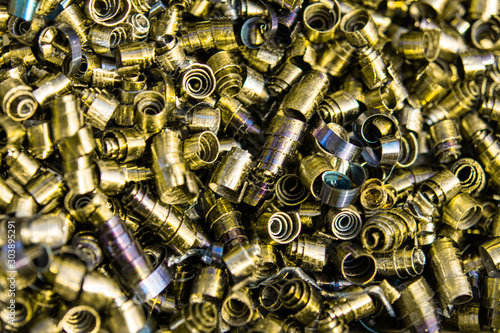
(257, 166)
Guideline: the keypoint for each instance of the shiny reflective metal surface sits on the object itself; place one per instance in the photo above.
(291, 166)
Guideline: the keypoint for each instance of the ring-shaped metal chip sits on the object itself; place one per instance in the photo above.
(113, 13)
(409, 150)
(369, 123)
(154, 283)
(335, 193)
(335, 144)
(258, 23)
(359, 28)
(386, 153)
(320, 21)
(74, 44)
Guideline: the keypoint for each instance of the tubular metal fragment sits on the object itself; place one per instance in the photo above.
(320, 21)
(128, 258)
(123, 144)
(254, 90)
(302, 299)
(264, 59)
(284, 137)
(40, 142)
(359, 28)
(375, 195)
(112, 14)
(114, 177)
(175, 229)
(284, 78)
(170, 54)
(462, 212)
(227, 72)
(168, 22)
(51, 86)
(23, 311)
(45, 188)
(356, 264)
(23, 54)
(151, 111)
(183, 282)
(236, 118)
(484, 34)
(140, 26)
(82, 318)
(209, 285)
(6, 194)
(209, 35)
(11, 134)
(490, 256)
(174, 181)
(131, 86)
(242, 259)
(453, 285)
(100, 107)
(30, 261)
(446, 139)
(201, 150)
(237, 308)
(468, 318)
(403, 263)
(199, 118)
(67, 274)
(137, 53)
(229, 176)
(308, 252)
(473, 64)
(340, 108)
(224, 220)
(441, 187)
(420, 44)
(490, 301)
(346, 311)
(127, 317)
(471, 175)
(195, 318)
(17, 99)
(21, 166)
(430, 86)
(417, 307)
(104, 40)
(387, 230)
(373, 67)
(305, 96)
(311, 170)
(73, 16)
(336, 57)
(269, 298)
(87, 246)
(258, 189)
(270, 264)
(337, 190)
(458, 102)
(382, 98)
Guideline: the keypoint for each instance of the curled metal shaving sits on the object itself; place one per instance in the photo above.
(374, 291)
(258, 26)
